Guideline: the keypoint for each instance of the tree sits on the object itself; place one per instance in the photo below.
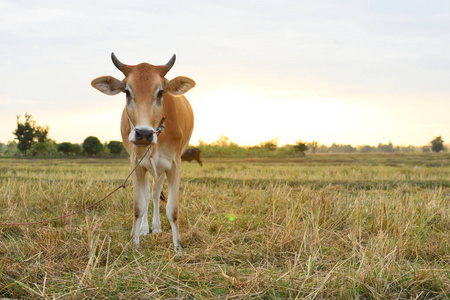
(41, 133)
(11, 147)
(385, 148)
(65, 148)
(25, 133)
(367, 149)
(76, 149)
(224, 141)
(271, 145)
(92, 145)
(426, 149)
(300, 147)
(437, 144)
(115, 147)
(313, 146)
(39, 148)
(338, 148)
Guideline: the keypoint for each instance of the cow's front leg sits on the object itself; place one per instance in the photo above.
(174, 177)
(156, 193)
(141, 197)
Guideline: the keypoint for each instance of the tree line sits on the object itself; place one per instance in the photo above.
(435, 145)
(224, 146)
(31, 139)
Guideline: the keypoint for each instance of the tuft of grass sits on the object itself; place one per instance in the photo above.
(326, 226)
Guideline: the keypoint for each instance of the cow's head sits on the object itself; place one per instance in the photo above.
(145, 88)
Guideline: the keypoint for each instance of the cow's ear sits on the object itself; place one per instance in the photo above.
(108, 85)
(179, 85)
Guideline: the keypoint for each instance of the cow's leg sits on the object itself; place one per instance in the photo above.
(141, 196)
(174, 177)
(144, 230)
(156, 193)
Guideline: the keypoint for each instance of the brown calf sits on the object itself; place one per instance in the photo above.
(192, 154)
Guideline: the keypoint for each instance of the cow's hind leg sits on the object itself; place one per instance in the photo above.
(156, 193)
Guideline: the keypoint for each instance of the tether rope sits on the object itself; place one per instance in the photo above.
(123, 185)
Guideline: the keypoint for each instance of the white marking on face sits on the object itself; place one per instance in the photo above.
(159, 94)
(129, 93)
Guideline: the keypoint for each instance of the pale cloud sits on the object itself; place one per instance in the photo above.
(390, 56)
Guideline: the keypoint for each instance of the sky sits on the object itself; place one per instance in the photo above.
(345, 72)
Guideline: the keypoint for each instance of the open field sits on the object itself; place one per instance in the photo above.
(361, 226)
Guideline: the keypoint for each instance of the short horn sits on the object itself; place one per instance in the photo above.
(169, 65)
(116, 62)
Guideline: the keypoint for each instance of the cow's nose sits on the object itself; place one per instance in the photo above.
(143, 134)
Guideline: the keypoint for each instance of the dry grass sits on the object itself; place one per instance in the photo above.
(347, 227)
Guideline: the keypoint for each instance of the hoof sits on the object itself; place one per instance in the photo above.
(144, 231)
(178, 252)
(178, 249)
(134, 246)
(156, 230)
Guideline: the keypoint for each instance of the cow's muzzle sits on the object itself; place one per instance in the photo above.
(143, 136)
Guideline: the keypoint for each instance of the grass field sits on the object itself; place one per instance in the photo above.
(361, 226)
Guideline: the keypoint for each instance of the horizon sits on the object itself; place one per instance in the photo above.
(225, 139)
(356, 73)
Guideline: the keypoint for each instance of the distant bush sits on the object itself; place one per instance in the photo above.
(115, 147)
(68, 148)
(76, 149)
(367, 149)
(226, 148)
(437, 144)
(335, 148)
(300, 147)
(40, 148)
(92, 145)
(389, 148)
(65, 148)
(271, 145)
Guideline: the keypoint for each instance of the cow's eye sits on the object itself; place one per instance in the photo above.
(160, 94)
(129, 97)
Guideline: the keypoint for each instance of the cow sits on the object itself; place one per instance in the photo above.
(152, 99)
(192, 154)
